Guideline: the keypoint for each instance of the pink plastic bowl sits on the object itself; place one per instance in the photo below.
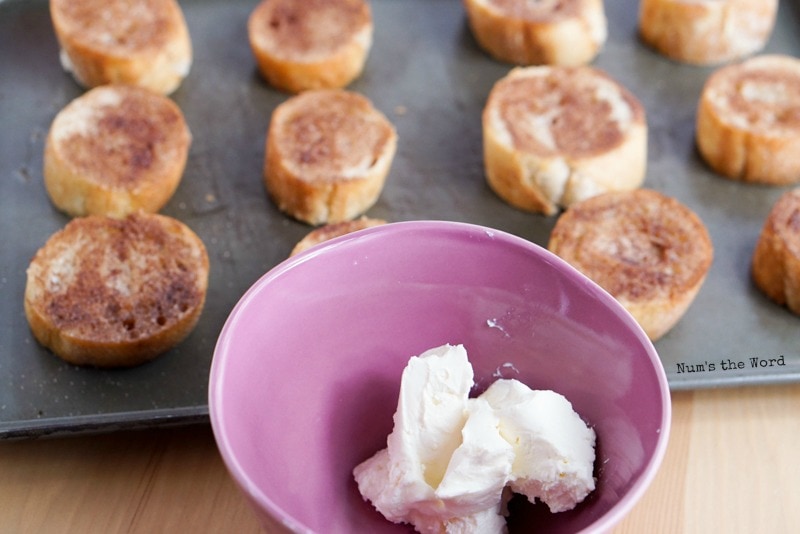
(306, 371)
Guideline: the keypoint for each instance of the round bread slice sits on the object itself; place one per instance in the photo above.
(704, 32)
(138, 42)
(330, 231)
(115, 150)
(109, 292)
(553, 136)
(748, 120)
(313, 44)
(776, 258)
(545, 32)
(328, 153)
(646, 249)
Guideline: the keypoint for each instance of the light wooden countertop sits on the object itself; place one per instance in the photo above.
(733, 465)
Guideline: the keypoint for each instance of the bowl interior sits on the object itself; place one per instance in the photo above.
(307, 369)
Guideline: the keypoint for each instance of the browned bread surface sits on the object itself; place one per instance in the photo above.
(648, 250)
(748, 120)
(138, 42)
(328, 153)
(115, 150)
(553, 136)
(776, 259)
(703, 32)
(313, 44)
(111, 292)
(546, 32)
(329, 231)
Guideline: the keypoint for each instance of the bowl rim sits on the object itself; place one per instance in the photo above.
(217, 370)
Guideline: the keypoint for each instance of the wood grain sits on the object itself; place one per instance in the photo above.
(663, 503)
(731, 466)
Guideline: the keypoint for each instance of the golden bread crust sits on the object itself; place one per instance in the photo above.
(703, 33)
(138, 42)
(748, 120)
(776, 258)
(328, 153)
(111, 292)
(330, 231)
(314, 44)
(548, 32)
(648, 250)
(553, 136)
(115, 150)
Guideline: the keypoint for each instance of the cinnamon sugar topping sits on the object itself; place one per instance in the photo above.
(134, 288)
(332, 134)
(571, 111)
(762, 98)
(538, 10)
(311, 26)
(635, 245)
(123, 25)
(121, 141)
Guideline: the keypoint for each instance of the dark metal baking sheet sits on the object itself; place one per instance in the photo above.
(427, 74)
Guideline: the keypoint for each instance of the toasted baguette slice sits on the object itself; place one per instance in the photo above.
(313, 44)
(748, 120)
(553, 136)
(546, 32)
(328, 153)
(111, 292)
(776, 259)
(703, 32)
(329, 231)
(647, 250)
(138, 42)
(115, 150)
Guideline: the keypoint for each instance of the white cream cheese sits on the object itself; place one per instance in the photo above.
(431, 411)
(449, 457)
(437, 428)
(553, 447)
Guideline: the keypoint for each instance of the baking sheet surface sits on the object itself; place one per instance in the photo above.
(427, 75)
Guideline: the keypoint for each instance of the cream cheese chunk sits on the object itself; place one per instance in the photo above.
(436, 428)
(431, 411)
(450, 459)
(553, 447)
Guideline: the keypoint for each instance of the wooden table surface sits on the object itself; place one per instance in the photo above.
(733, 465)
